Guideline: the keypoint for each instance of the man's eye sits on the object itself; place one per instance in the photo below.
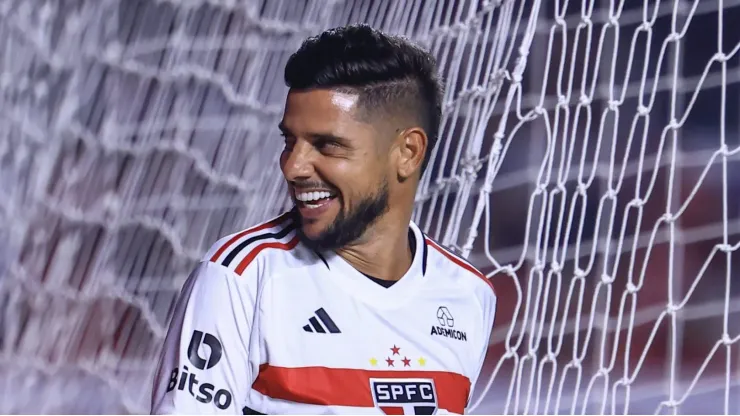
(327, 144)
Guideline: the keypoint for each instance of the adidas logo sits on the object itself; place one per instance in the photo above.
(315, 325)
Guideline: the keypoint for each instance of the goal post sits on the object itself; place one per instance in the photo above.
(630, 215)
(589, 164)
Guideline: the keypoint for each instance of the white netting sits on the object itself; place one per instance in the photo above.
(134, 133)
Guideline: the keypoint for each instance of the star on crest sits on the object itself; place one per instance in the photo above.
(391, 362)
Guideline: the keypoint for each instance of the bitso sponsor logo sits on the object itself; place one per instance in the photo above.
(203, 392)
(198, 339)
(186, 380)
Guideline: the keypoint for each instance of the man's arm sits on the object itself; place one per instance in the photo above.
(204, 366)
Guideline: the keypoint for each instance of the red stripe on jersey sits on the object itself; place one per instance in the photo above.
(351, 387)
(453, 258)
(273, 244)
(248, 231)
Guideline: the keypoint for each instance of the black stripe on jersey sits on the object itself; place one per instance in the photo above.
(316, 325)
(424, 254)
(244, 244)
(330, 325)
(322, 259)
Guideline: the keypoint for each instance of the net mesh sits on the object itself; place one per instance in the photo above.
(588, 164)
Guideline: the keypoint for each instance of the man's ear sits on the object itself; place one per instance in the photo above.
(412, 146)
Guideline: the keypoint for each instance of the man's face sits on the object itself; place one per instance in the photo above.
(335, 166)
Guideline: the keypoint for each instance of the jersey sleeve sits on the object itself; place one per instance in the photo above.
(488, 303)
(204, 366)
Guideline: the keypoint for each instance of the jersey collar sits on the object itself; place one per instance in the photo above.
(401, 292)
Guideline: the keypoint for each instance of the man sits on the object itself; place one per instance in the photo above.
(341, 305)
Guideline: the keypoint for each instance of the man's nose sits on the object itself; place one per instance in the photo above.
(298, 163)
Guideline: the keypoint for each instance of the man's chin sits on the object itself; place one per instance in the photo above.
(311, 232)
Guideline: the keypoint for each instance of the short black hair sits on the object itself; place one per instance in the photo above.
(390, 73)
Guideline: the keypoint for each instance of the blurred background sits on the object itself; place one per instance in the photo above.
(589, 164)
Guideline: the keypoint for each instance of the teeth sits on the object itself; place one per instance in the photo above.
(312, 196)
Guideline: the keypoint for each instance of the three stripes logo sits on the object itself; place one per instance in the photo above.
(315, 326)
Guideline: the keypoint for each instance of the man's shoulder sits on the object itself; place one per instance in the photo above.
(456, 267)
(242, 250)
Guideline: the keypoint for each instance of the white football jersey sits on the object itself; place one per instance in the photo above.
(265, 324)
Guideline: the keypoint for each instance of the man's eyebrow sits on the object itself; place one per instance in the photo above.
(316, 136)
(329, 137)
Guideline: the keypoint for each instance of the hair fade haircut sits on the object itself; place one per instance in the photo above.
(389, 73)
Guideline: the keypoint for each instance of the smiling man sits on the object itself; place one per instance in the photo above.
(341, 305)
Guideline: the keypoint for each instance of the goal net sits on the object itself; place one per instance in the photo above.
(589, 164)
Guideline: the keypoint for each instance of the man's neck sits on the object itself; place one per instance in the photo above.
(384, 252)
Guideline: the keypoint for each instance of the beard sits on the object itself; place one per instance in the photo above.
(349, 226)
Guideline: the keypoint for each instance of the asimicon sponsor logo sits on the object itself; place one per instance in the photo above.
(186, 379)
(446, 325)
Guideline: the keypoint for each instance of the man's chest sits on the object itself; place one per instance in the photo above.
(323, 346)
(355, 335)
(314, 324)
